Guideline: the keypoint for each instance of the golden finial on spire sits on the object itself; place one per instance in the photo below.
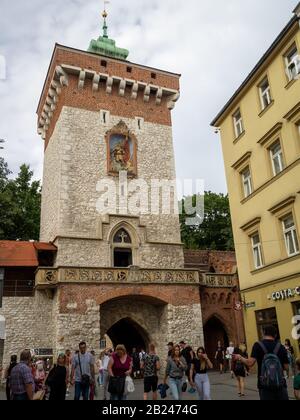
(104, 13)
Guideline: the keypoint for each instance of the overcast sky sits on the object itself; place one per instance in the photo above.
(213, 44)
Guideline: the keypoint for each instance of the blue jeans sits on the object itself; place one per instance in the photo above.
(203, 387)
(116, 397)
(81, 391)
(176, 388)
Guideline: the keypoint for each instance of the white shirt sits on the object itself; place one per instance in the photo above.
(105, 362)
(230, 351)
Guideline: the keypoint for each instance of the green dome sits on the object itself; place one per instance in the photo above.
(106, 46)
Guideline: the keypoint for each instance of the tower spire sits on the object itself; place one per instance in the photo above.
(104, 45)
(104, 15)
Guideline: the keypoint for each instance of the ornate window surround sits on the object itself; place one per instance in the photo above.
(134, 245)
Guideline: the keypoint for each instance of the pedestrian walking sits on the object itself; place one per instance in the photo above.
(239, 371)
(272, 359)
(170, 348)
(105, 361)
(175, 371)
(93, 383)
(188, 354)
(83, 372)
(219, 357)
(13, 363)
(58, 379)
(198, 374)
(40, 375)
(69, 369)
(119, 367)
(150, 365)
(297, 381)
(21, 379)
(228, 356)
(244, 354)
(99, 370)
(136, 363)
(291, 356)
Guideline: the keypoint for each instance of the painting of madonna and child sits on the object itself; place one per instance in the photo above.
(122, 154)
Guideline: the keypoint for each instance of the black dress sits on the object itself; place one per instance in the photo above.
(58, 384)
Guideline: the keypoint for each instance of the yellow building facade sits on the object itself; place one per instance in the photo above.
(260, 132)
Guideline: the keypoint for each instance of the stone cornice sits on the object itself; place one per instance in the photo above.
(285, 203)
(61, 79)
(242, 160)
(294, 112)
(251, 224)
(272, 132)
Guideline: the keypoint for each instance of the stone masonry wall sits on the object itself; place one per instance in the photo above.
(29, 324)
(78, 151)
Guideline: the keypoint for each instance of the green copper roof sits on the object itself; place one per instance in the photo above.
(106, 46)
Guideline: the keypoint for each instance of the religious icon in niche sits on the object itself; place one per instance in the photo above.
(121, 147)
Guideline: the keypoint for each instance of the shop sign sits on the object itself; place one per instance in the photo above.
(286, 294)
(250, 305)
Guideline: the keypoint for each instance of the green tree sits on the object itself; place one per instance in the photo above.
(215, 231)
(20, 203)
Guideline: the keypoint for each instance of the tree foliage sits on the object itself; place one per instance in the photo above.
(215, 232)
(20, 204)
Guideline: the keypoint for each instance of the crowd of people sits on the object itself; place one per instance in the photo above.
(186, 370)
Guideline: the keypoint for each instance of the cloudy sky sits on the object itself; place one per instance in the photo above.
(213, 44)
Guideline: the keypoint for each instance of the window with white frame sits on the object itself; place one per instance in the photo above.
(247, 181)
(257, 251)
(290, 235)
(292, 60)
(238, 123)
(277, 157)
(265, 93)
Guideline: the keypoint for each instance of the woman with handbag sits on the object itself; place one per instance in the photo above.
(119, 367)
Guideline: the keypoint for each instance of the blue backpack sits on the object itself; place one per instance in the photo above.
(272, 377)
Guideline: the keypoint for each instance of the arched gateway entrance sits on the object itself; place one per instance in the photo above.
(135, 321)
(214, 331)
(129, 333)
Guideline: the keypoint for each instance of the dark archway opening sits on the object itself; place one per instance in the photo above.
(214, 331)
(122, 258)
(130, 334)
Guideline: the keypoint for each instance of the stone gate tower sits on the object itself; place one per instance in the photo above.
(121, 273)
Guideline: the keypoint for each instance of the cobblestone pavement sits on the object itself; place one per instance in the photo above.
(223, 388)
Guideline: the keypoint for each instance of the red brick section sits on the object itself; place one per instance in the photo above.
(94, 101)
(173, 294)
(222, 261)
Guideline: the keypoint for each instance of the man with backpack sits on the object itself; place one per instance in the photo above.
(272, 360)
(151, 365)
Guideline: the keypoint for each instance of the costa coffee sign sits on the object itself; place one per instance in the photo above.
(286, 294)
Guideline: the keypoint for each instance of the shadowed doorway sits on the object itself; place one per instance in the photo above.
(214, 331)
(129, 333)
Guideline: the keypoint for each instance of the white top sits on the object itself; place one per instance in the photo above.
(105, 362)
(230, 351)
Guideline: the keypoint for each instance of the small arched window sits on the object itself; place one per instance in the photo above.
(122, 249)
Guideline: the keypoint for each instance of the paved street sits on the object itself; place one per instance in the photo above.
(223, 388)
